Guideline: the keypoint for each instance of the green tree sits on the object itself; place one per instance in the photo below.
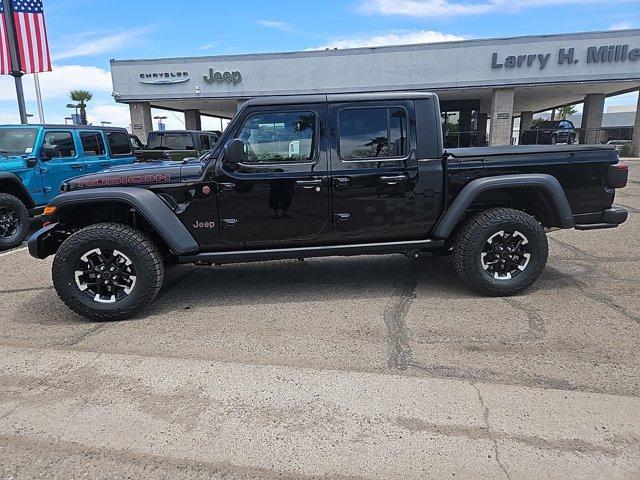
(81, 97)
(566, 111)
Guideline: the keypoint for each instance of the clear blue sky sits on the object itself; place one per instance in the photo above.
(85, 34)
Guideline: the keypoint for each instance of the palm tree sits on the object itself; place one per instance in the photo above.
(81, 97)
(566, 111)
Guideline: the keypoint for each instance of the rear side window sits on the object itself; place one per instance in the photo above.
(170, 141)
(92, 143)
(204, 140)
(119, 143)
(372, 133)
(63, 141)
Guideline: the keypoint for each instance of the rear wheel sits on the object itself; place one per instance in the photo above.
(14, 221)
(500, 251)
(107, 271)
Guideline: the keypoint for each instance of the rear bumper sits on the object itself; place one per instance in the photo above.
(45, 241)
(609, 218)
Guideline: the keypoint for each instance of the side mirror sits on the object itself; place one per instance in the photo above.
(234, 152)
(49, 151)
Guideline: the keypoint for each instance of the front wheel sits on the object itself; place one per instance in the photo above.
(14, 221)
(500, 252)
(107, 271)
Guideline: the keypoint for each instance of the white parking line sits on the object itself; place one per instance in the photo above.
(13, 251)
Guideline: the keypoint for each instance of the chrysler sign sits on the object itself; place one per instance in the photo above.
(162, 78)
(606, 54)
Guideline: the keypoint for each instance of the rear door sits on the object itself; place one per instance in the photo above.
(374, 169)
(280, 195)
(94, 150)
(120, 151)
(66, 165)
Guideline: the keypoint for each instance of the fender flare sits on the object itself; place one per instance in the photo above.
(473, 189)
(146, 203)
(15, 180)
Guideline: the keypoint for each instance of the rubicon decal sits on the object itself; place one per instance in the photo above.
(128, 180)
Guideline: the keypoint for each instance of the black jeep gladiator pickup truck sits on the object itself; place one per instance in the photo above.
(322, 175)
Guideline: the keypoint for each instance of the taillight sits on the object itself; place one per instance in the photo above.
(618, 175)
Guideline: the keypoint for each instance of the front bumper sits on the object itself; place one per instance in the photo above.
(609, 218)
(45, 241)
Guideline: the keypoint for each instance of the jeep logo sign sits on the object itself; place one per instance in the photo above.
(223, 77)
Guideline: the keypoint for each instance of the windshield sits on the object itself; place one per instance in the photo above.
(17, 141)
(170, 141)
(547, 125)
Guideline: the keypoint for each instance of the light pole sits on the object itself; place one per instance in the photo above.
(67, 118)
(75, 119)
(28, 115)
(160, 124)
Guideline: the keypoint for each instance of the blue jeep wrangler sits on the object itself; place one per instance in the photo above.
(36, 159)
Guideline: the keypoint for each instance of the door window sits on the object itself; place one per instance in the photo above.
(283, 137)
(63, 141)
(119, 143)
(92, 143)
(372, 133)
(204, 140)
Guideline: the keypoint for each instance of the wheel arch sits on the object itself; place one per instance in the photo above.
(11, 184)
(84, 207)
(540, 195)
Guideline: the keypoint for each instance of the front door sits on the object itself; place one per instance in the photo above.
(280, 194)
(374, 170)
(67, 164)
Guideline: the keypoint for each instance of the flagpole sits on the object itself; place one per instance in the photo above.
(36, 82)
(15, 63)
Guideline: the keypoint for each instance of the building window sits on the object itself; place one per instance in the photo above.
(279, 137)
(372, 133)
(119, 143)
(92, 143)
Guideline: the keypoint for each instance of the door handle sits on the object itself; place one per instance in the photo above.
(77, 166)
(229, 222)
(341, 217)
(227, 186)
(341, 182)
(104, 164)
(309, 183)
(393, 179)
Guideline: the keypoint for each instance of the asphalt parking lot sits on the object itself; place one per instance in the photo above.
(370, 367)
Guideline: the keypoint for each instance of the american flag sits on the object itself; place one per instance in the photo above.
(31, 36)
(5, 59)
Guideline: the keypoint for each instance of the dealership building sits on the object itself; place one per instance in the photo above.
(485, 86)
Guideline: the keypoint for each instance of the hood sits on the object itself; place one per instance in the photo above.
(137, 174)
(12, 162)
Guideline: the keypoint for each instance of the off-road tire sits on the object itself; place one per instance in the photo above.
(22, 215)
(472, 237)
(145, 258)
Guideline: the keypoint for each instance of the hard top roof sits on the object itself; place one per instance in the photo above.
(338, 97)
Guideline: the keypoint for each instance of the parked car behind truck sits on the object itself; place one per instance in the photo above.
(36, 159)
(550, 132)
(322, 175)
(176, 145)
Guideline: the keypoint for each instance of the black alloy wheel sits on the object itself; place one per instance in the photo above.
(505, 254)
(106, 276)
(9, 222)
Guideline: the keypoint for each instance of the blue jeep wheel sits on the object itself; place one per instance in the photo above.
(14, 221)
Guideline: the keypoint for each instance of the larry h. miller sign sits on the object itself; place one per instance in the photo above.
(567, 56)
